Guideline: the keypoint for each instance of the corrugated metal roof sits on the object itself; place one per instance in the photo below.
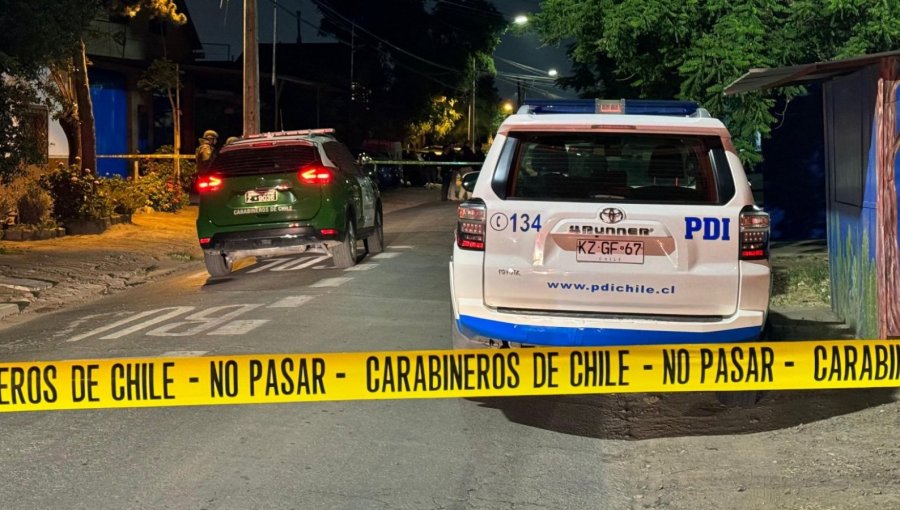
(767, 78)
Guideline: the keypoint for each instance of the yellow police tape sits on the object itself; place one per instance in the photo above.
(281, 378)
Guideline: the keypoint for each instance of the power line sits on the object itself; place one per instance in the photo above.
(338, 38)
(320, 4)
(472, 8)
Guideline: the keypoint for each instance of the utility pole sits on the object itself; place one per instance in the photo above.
(520, 98)
(472, 113)
(176, 119)
(251, 70)
(352, 62)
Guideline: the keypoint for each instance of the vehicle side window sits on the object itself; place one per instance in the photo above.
(340, 156)
(333, 154)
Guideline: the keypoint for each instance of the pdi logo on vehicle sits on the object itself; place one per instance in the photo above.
(712, 228)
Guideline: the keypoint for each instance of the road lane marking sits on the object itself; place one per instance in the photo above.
(331, 282)
(291, 302)
(204, 320)
(87, 318)
(302, 263)
(400, 247)
(182, 354)
(239, 327)
(175, 311)
(361, 267)
(270, 263)
(387, 255)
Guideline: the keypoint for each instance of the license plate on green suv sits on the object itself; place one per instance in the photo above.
(259, 197)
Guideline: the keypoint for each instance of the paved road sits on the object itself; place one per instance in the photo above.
(491, 453)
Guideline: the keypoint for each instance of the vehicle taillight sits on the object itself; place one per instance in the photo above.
(316, 175)
(754, 234)
(470, 225)
(209, 183)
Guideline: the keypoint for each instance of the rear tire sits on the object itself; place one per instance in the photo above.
(217, 264)
(345, 253)
(375, 242)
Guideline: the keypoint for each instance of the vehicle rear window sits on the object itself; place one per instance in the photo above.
(264, 160)
(620, 167)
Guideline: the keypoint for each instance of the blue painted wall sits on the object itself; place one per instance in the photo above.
(110, 98)
(794, 170)
(850, 158)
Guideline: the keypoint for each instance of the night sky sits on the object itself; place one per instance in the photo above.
(219, 25)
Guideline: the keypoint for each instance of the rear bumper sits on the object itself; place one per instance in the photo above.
(268, 239)
(475, 331)
(476, 326)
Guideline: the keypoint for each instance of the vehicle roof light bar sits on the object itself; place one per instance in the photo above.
(298, 132)
(613, 106)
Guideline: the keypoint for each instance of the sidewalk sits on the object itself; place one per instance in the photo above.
(41, 276)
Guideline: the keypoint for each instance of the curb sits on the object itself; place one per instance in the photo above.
(7, 309)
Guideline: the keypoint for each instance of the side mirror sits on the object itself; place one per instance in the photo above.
(468, 181)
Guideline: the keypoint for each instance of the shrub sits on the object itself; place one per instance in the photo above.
(77, 194)
(35, 206)
(10, 191)
(158, 184)
(126, 195)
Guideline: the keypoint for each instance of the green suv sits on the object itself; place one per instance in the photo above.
(280, 193)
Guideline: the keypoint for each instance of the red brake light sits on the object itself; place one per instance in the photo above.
(316, 175)
(754, 234)
(209, 183)
(205, 240)
(327, 232)
(470, 225)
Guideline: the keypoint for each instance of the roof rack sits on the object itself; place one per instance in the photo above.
(614, 106)
(298, 132)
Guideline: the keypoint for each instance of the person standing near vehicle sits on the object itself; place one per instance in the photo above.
(467, 156)
(206, 150)
(448, 173)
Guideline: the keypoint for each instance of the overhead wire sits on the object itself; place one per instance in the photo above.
(321, 4)
(343, 41)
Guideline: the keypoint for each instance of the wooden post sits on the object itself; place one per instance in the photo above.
(251, 70)
(886, 237)
(176, 120)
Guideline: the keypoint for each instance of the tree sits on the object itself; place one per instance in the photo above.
(439, 121)
(693, 50)
(163, 76)
(34, 35)
(49, 35)
(407, 55)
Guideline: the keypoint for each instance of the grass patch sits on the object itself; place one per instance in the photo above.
(801, 281)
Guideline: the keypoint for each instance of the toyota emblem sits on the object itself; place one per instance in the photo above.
(612, 215)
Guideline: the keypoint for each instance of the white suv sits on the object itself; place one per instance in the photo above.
(597, 223)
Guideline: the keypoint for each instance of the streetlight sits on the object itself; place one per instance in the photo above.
(521, 20)
(507, 107)
(552, 73)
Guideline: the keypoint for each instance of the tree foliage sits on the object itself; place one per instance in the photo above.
(694, 49)
(41, 37)
(410, 54)
(440, 119)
